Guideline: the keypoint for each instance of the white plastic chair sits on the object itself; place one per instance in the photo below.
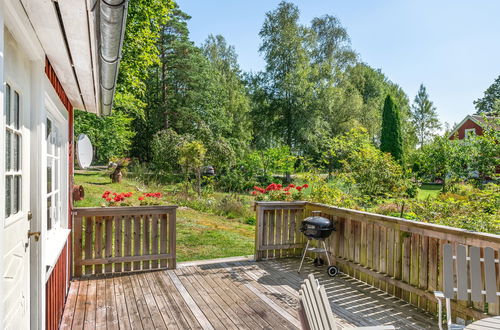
(469, 280)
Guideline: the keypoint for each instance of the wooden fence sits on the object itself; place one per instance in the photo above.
(401, 257)
(123, 239)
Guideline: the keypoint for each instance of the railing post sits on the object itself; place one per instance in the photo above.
(77, 245)
(172, 239)
(259, 227)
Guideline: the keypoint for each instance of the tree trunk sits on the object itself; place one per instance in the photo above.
(198, 181)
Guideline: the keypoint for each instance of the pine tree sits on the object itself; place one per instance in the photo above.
(424, 116)
(391, 139)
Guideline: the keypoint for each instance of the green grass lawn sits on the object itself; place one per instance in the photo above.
(200, 235)
(429, 191)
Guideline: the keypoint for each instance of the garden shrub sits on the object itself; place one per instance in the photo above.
(467, 208)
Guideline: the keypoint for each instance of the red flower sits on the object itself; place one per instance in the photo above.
(291, 185)
(108, 199)
(117, 199)
(254, 192)
(299, 188)
(141, 198)
(305, 185)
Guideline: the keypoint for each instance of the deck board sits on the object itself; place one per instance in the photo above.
(230, 294)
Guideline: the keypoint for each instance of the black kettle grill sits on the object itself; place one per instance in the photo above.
(318, 228)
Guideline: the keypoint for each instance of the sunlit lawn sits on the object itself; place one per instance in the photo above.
(200, 235)
(429, 191)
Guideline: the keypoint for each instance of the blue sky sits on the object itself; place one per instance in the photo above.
(452, 46)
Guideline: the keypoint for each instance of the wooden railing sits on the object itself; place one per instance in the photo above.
(123, 239)
(401, 257)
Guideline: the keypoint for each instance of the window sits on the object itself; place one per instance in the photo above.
(53, 175)
(13, 142)
(469, 132)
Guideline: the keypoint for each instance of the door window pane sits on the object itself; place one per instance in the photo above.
(8, 196)
(17, 152)
(8, 150)
(49, 174)
(49, 213)
(16, 110)
(48, 136)
(7, 103)
(16, 194)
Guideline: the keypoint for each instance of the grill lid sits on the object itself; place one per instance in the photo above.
(316, 226)
(318, 221)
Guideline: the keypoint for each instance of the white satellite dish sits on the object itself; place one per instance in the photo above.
(84, 151)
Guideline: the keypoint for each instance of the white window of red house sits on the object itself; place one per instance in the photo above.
(13, 143)
(54, 142)
(469, 132)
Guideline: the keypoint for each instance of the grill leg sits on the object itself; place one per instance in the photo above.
(326, 252)
(304, 254)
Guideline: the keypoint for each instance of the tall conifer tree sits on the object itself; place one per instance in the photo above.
(391, 138)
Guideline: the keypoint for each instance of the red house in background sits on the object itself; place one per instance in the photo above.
(472, 124)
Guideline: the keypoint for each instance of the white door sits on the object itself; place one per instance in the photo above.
(16, 225)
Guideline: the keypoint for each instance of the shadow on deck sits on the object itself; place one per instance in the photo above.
(228, 294)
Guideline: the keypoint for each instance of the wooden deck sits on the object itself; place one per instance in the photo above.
(228, 294)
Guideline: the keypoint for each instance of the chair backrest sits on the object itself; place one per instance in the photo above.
(316, 306)
(470, 277)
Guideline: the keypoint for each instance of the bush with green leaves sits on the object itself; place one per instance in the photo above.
(467, 208)
(372, 172)
(475, 158)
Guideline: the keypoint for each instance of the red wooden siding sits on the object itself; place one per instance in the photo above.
(467, 125)
(56, 288)
(58, 282)
(51, 74)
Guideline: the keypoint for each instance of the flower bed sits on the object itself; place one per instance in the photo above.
(276, 192)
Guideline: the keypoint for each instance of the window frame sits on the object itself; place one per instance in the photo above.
(59, 123)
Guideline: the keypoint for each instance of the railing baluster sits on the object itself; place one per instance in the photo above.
(89, 230)
(137, 239)
(109, 242)
(154, 239)
(127, 241)
(118, 221)
(146, 250)
(98, 243)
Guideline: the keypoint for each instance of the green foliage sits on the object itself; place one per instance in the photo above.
(467, 208)
(144, 21)
(286, 79)
(191, 158)
(490, 103)
(424, 116)
(391, 139)
(373, 172)
(165, 147)
(330, 191)
(110, 136)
